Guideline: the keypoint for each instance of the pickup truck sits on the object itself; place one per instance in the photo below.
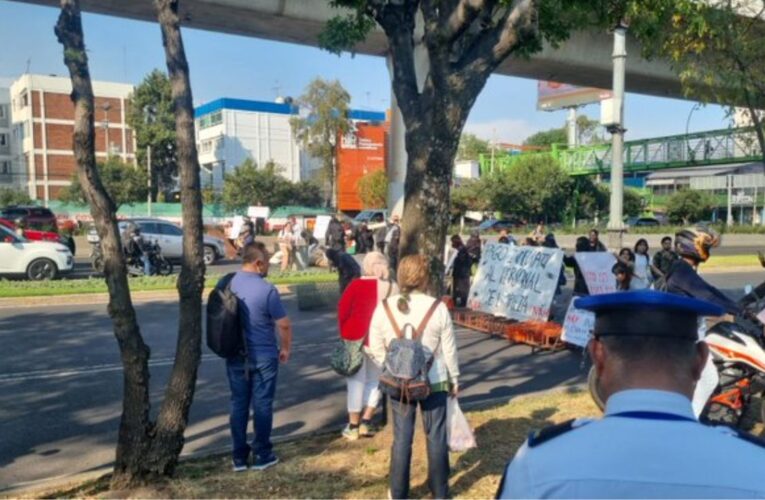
(373, 218)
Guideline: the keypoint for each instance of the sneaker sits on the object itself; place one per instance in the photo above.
(368, 429)
(265, 463)
(240, 466)
(351, 433)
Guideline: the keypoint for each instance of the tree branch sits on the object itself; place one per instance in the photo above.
(520, 23)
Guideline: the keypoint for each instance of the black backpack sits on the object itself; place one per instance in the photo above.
(225, 335)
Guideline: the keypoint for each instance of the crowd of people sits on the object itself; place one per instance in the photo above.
(385, 302)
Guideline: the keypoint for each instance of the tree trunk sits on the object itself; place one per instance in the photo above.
(173, 415)
(135, 425)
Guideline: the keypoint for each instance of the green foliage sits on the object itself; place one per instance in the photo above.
(470, 195)
(373, 189)
(155, 93)
(471, 147)
(633, 203)
(326, 105)
(210, 196)
(588, 132)
(13, 196)
(125, 183)
(535, 187)
(546, 138)
(249, 185)
(588, 199)
(688, 206)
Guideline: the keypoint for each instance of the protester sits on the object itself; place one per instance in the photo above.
(379, 235)
(504, 240)
(335, 238)
(392, 240)
(299, 243)
(473, 246)
(641, 275)
(623, 275)
(246, 233)
(366, 238)
(411, 307)
(539, 233)
(580, 285)
(663, 259)
(347, 267)
(252, 376)
(286, 245)
(461, 269)
(354, 313)
(530, 242)
(595, 244)
(137, 249)
(549, 242)
(649, 443)
(626, 256)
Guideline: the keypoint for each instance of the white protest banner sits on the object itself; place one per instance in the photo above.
(258, 212)
(577, 326)
(236, 227)
(320, 228)
(596, 269)
(516, 282)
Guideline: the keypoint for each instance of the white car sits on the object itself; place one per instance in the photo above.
(170, 239)
(39, 260)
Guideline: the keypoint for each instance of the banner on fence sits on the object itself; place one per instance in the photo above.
(596, 269)
(516, 282)
(577, 326)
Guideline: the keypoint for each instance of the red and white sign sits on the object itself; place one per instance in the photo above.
(596, 269)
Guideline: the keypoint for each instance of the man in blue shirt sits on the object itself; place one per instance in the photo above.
(649, 443)
(252, 376)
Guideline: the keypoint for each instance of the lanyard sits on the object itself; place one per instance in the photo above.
(652, 415)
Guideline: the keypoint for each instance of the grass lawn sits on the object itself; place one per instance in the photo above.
(328, 466)
(19, 288)
(724, 261)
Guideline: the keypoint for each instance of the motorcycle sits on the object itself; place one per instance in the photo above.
(159, 263)
(738, 353)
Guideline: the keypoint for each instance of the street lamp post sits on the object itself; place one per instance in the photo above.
(615, 223)
(149, 117)
(107, 106)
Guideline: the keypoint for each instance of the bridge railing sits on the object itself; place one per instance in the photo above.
(715, 147)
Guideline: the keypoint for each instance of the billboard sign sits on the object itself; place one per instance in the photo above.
(552, 96)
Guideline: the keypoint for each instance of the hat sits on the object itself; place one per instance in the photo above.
(647, 313)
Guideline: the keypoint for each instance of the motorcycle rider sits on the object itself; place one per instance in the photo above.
(137, 249)
(693, 246)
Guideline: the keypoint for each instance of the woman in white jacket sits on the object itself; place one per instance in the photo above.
(411, 306)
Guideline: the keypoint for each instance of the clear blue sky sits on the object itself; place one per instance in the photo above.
(233, 66)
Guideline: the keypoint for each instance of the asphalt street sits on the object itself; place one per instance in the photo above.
(61, 384)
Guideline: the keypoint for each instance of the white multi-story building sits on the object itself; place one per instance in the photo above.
(7, 151)
(230, 131)
(43, 125)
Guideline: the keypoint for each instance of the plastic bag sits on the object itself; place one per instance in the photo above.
(458, 433)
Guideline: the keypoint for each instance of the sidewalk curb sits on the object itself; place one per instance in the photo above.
(168, 295)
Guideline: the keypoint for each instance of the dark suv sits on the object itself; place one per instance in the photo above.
(39, 218)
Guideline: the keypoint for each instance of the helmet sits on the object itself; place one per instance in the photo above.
(695, 243)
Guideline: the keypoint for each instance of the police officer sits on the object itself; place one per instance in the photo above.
(649, 444)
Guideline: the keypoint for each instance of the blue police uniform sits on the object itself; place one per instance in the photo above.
(648, 444)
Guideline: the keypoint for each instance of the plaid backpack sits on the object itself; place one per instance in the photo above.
(405, 372)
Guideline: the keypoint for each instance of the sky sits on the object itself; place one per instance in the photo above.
(225, 65)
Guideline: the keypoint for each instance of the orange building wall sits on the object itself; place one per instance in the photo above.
(357, 156)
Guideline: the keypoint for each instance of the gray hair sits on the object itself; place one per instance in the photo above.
(376, 264)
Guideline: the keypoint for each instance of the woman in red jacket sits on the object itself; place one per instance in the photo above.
(354, 314)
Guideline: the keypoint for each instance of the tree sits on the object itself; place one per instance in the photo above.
(535, 187)
(150, 115)
(124, 183)
(715, 46)
(462, 42)
(471, 147)
(12, 196)
(587, 133)
(689, 206)
(471, 195)
(146, 448)
(327, 105)
(588, 200)
(249, 185)
(633, 203)
(373, 189)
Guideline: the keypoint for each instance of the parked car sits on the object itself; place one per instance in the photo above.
(41, 260)
(645, 222)
(498, 225)
(373, 217)
(39, 218)
(36, 235)
(170, 239)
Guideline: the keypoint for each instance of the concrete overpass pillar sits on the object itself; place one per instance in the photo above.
(397, 157)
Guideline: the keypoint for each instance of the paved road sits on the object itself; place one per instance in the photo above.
(60, 384)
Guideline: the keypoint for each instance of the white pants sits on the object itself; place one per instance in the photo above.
(363, 389)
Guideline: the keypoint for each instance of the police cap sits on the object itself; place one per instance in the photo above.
(647, 313)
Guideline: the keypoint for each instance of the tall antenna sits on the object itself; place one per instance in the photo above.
(29, 63)
(277, 88)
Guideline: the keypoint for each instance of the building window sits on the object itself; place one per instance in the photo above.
(3, 139)
(210, 119)
(3, 112)
(5, 167)
(24, 100)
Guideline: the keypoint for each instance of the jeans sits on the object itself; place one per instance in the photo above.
(257, 392)
(146, 265)
(434, 420)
